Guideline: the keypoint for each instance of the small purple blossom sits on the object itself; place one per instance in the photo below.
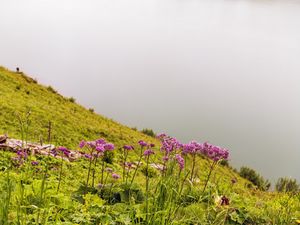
(148, 152)
(53, 152)
(100, 142)
(128, 165)
(67, 153)
(161, 136)
(165, 158)
(115, 176)
(109, 147)
(64, 151)
(82, 144)
(128, 147)
(22, 154)
(99, 145)
(100, 148)
(180, 161)
(91, 144)
(88, 156)
(142, 143)
(34, 163)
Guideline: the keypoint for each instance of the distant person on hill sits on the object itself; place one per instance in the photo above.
(18, 69)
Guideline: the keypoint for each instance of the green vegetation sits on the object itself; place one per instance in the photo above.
(285, 184)
(148, 132)
(70, 122)
(120, 186)
(255, 178)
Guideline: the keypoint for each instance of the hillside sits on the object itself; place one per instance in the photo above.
(70, 122)
(111, 184)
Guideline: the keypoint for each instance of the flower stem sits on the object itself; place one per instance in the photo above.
(193, 167)
(94, 170)
(147, 189)
(88, 176)
(209, 174)
(125, 159)
(135, 171)
(102, 171)
(60, 174)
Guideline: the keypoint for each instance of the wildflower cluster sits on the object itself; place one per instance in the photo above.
(95, 149)
(99, 146)
(169, 144)
(20, 157)
(213, 152)
(175, 150)
(64, 151)
(60, 151)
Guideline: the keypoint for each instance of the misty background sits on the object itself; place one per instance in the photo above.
(223, 71)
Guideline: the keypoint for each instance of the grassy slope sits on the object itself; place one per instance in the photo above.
(72, 123)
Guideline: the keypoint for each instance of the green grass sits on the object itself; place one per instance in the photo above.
(29, 193)
(70, 121)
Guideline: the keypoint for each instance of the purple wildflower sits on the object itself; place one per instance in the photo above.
(161, 136)
(128, 165)
(142, 143)
(192, 148)
(91, 144)
(22, 154)
(128, 147)
(109, 147)
(67, 153)
(148, 152)
(82, 144)
(180, 161)
(88, 156)
(53, 152)
(165, 158)
(64, 151)
(34, 163)
(100, 142)
(115, 176)
(100, 148)
(170, 144)
(215, 153)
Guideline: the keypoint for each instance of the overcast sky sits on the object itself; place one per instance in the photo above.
(222, 71)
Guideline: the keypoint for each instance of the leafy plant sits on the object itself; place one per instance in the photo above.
(285, 184)
(148, 132)
(255, 178)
